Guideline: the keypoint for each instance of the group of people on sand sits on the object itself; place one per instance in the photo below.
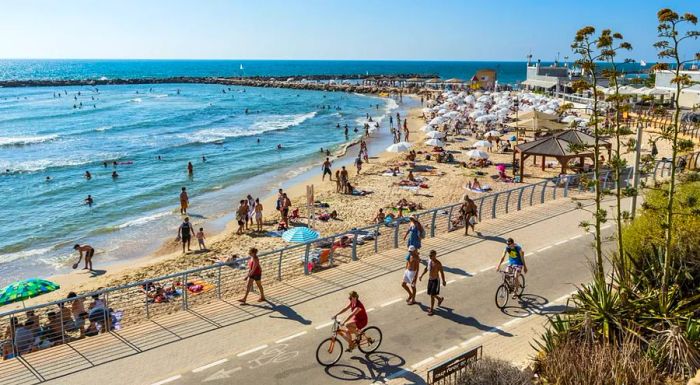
(249, 210)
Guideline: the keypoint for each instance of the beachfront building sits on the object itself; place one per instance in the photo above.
(484, 79)
(552, 78)
(689, 97)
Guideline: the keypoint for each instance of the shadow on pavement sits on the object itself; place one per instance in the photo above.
(287, 312)
(374, 367)
(448, 313)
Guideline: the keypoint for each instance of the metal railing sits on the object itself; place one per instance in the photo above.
(119, 308)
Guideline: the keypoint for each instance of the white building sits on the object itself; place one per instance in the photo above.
(689, 97)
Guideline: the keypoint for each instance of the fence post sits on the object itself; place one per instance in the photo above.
(376, 238)
(656, 167)
(449, 219)
(148, 313)
(532, 193)
(396, 234)
(63, 332)
(508, 200)
(279, 266)
(306, 258)
(520, 197)
(566, 186)
(354, 245)
(481, 206)
(432, 224)
(218, 283)
(493, 206)
(544, 187)
(554, 192)
(184, 292)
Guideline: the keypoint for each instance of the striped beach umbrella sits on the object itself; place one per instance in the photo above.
(300, 235)
(23, 290)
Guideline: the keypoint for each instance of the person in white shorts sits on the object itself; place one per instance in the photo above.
(410, 275)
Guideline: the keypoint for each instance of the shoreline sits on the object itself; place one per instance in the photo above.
(168, 251)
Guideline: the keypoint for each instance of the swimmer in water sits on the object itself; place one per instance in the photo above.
(104, 164)
(279, 146)
(88, 176)
(48, 179)
(190, 168)
(89, 201)
(258, 140)
(204, 158)
(115, 175)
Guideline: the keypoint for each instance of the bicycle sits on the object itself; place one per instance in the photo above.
(331, 349)
(507, 287)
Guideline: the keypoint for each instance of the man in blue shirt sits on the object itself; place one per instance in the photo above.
(516, 262)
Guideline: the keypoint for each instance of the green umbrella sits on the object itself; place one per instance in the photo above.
(28, 288)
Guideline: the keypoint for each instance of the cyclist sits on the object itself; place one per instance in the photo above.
(516, 262)
(356, 321)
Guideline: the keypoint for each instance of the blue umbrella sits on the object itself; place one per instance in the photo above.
(300, 235)
(23, 290)
(513, 138)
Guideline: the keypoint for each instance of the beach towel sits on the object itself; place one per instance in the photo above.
(274, 233)
(198, 287)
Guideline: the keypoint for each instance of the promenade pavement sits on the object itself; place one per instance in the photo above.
(275, 343)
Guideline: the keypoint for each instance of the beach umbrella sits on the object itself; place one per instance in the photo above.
(477, 154)
(299, 235)
(399, 147)
(513, 138)
(493, 133)
(483, 143)
(25, 289)
(435, 142)
(427, 128)
(435, 135)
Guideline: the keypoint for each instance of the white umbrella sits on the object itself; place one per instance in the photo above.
(485, 118)
(435, 142)
(399, 147)
(493, 133)
(477, 154)
(427, 128)
(437, 120)
(435, 135)
(483, 143)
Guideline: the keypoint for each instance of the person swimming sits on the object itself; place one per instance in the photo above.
(88, 176)
(89, 201)
(114, 175)
(279, 146)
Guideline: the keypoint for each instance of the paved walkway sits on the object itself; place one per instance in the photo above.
(276, 342)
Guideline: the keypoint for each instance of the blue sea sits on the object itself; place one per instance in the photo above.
(60, 133)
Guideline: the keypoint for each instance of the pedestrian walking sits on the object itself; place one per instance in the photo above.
(254, 275)
(410, 275)
(414, 233)
(436, 272)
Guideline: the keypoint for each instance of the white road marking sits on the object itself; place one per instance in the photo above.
(450, 281)
(370, 309)
(425, 361)
(170, 379)
(576, 237)
(470, 341)
(391, 302)
(285, 339)
(485, 269)
(529, 254)
(319, 327)
(447, 351)
(512, 322)
(221, 374)
(205, 367)
(253, 350)
(544, 248)
(421, 292)
(492, 330)
(561, 242)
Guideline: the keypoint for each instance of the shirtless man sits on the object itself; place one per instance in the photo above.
(436, 272)
(327, 170)
(468, 211)
(410, 275)
(184, 201)
(89, 252)
(343, 178)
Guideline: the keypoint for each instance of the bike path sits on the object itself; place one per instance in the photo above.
(279, 347)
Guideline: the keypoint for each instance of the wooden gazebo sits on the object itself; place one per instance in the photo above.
(557, 146)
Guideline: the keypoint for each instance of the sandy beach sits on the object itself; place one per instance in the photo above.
(444, 182)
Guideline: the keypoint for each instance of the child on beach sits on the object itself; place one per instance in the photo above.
(200, 239)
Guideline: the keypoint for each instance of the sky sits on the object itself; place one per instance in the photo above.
(321, 30)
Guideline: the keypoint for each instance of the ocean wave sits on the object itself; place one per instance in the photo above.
(9, 257)
(158, 96)
(142, 220)
(136, 100)
(44, 164)
(104, 128)
(6, 141)
(274, 123)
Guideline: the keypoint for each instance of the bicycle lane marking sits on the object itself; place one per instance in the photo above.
(205, 367)
(253, 350)
(385, 304)
(321, 326)
(285, 339)
(169, 379)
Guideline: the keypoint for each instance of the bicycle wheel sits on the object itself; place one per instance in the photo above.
(521, 279)
(370, 339)
(329, 351)
(502, 296)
